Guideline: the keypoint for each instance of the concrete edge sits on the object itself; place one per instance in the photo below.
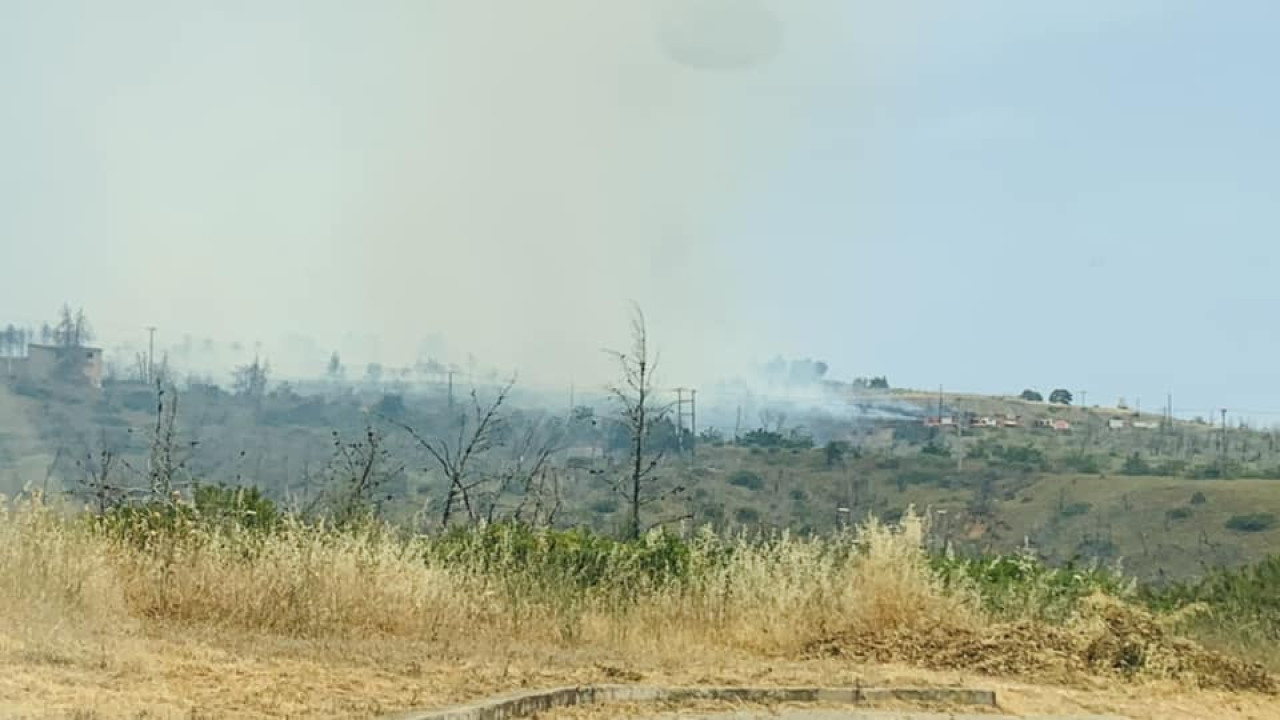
(525, 704)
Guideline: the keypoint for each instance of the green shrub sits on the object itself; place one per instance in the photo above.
(746, 516)
(1136, 465)
(1081, 463)
(1178, 513)
(1253, 522)
(245, 507)
(604, 507)
(1077, 508)
(936, 448)
(1198, 498)
(746, 479)
(1019, 586)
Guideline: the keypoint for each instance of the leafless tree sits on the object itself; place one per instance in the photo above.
(250, 381)
(529, 475)
(358, 474)
(456, 456)
(167, 468)
(640, 411)
(99, 483)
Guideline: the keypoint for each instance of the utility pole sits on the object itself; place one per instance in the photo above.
(151, 354)
(681, 402)
(939, 406)
(1084, 399)
(693, 422)
(450, 374)
(680, 421)
(1224, 434)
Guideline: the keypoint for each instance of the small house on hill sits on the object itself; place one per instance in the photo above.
(50, 363)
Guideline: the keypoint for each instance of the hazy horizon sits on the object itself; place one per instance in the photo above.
(989, 196)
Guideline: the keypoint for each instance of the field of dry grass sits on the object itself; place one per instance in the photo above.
(309, 622)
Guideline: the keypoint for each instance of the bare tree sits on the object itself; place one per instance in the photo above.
(167, 468)
(529, 474)
(98, 483)
(72, 330)
(250, 381)
(456, 457)
(640, 413)
(358, 473)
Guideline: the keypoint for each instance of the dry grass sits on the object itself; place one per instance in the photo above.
(310, 622)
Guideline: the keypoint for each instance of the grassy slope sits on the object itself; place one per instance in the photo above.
(1127, 517)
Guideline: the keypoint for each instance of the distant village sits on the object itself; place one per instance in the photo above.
(973, 420)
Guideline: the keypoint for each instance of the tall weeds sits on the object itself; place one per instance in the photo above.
(770, 594)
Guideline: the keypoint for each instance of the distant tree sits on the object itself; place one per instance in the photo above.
(478, 432)
(775, 371)
(1031, 396)
(335, 371)
(640, 413)
(250, 381)
(391, 406)
(357, 476)
(834, 452)
(1060, 397)
(73, 328)
(373, 373)
(879, 383)
(10, 345)
(1136, 465)
(806, 371)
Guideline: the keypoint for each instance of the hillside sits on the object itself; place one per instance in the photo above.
(1168, 502)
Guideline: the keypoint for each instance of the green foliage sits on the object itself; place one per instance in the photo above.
(1026, 455)
(391, 406)
(1243, 606)
(746, 479)
(1179, 513)
(834, 451)
(918, 476)
(936, 448)
(711, 436)
(604, 507)
(148, 525)
(1217, 470)
(1076, 508)
(1019, 586)
(1082, 463)
(1252, 522)
(794, 440)
(1031, 396)
(531, 560)
(1198, 498)
(746, 516)
(913, 433)
(1060, 396)
(245, 507)
(1136, 465)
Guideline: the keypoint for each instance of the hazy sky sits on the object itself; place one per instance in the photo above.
(985, 194)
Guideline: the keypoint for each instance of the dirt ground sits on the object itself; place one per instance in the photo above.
(217, 675)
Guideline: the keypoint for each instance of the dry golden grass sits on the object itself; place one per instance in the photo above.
(316, 623)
